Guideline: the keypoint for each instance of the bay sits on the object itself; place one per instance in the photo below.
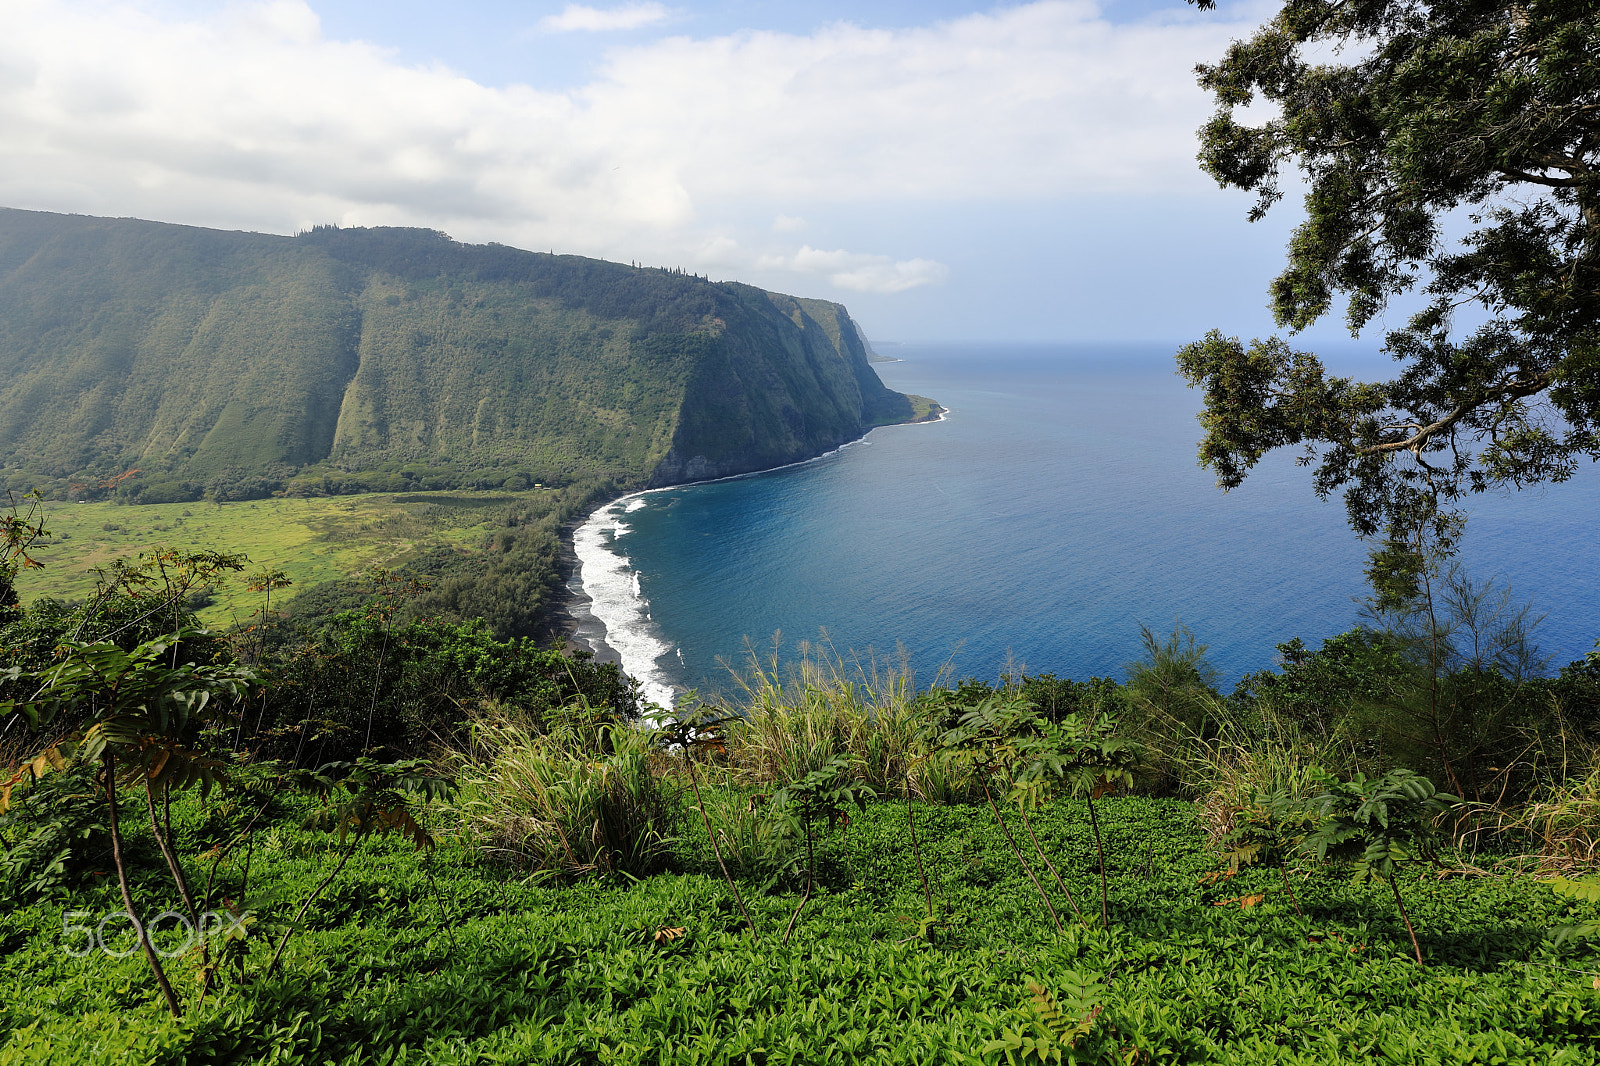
(1055, 510)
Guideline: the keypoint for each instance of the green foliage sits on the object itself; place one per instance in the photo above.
(143, 706)
(456, 958)
(994, 740)
(1088, 760)
(1084, 757)
(144, 709)
(1467, 707)
(1377, 822)
(1316, 690)
(697, 728)
(52, 836)
(1401, 115)
(1057, 1027)
(576, 801)
(20, 529)
(821, 794)
(824, 793)
(410, 685)
(1170, 704)
(451, 961)
(1586, 890)
(786, 722)
(1270, 828)
(369, 798)
(360, 800)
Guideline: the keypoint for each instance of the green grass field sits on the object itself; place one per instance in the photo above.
(313, 540)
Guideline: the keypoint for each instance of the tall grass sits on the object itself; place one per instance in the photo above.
(1227, 756)
(1562, 823)
(790, 719)
(753, 844)
(1245, 762)
(581, 799)
(1558, 825)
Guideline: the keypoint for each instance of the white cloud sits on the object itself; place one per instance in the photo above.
(290, 21)
(252, 118)
(860, 272)
(582, 17)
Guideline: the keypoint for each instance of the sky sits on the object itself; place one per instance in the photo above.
(948, 171)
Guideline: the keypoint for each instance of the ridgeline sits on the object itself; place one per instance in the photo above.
(158, 363)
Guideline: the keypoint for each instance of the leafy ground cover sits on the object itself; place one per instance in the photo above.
(450, 959)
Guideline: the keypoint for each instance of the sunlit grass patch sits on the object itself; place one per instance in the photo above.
(312, 540)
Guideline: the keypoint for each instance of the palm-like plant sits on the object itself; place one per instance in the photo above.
(695, 731)
(1084, 756)
(1268, 829)
(145, 711)
(363, 799)
(983, 738)
(1379, 823)
(822, 793)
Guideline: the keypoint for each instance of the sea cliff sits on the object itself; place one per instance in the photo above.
(162, 363)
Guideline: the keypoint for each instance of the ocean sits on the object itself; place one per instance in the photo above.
(1053, 511)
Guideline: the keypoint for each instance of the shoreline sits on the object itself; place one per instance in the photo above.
(569, 610)
(573, 617)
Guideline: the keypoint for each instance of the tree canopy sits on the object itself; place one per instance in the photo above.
(1450, 149)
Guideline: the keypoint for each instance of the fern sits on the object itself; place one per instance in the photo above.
(1057, 1024)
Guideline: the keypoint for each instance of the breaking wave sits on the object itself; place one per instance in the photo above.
(617, 602)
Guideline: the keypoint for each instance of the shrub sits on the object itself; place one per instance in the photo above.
(51, 835)
(789, 722)
(578, 800)
(1171, 706)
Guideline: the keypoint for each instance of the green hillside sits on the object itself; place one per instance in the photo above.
(238, 365)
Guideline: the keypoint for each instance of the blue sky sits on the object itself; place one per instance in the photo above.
(948, 171)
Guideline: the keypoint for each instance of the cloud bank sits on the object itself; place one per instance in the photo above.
(252, 118)
(859, 272)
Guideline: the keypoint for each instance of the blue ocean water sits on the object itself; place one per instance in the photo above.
(1056, 509)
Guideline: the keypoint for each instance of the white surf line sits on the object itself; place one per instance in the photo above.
(613, 590)
(612, 587)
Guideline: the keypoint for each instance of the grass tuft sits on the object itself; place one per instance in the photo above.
(582, 799)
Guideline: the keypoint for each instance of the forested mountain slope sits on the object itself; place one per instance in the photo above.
(237, 364)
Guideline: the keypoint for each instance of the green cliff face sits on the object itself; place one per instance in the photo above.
(209, 359)
(773, 388)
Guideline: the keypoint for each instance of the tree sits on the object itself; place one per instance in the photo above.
(982, 738)
(147, 710)
(702, 728)
(1409, 119)
(822, 793)
(19, 529)
(1377, 823)
(1083, 755)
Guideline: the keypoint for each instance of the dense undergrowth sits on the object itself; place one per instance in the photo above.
(389, 839)
(449, 960)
